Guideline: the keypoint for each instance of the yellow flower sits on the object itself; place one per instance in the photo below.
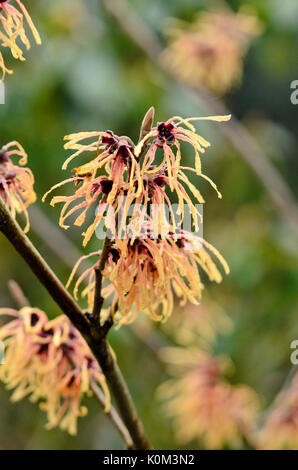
(12, 19)
(280, 430)
(151, 258)
(49, 362)
(202, 404)
(115, 156)
(168, 136)
(16, 183)
(145, 272)
(120, 171)
(210, 51)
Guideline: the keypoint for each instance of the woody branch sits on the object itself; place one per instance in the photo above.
(92, 332)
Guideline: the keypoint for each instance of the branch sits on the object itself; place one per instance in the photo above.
(65, 250)
(91, 332)
(98, 299)
(245, 144)
(17, 295)
(134, 27)
(286, 384)
(113, 416)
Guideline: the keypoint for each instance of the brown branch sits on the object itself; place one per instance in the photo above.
(91, 332)
(136, 29)
(113, 416)
(65, 250)
(98, 299)
(245, 144)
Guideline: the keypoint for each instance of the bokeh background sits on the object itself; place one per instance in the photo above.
(89, 75)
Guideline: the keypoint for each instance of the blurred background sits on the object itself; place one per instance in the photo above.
(89, 74)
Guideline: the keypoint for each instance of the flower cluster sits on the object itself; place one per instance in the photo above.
(16, 182)
(210, 51)
(151, 257)
(118, 173)
(280, 430)
(48, 361)
(202, 404)
(12, 19)
(147, 273)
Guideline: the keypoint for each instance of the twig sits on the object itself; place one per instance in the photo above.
(135, 28)
(286, 384)
(289, 378)
(113, 416)
(91, 332)
(17, 294)
(271, 179)
(98, 299)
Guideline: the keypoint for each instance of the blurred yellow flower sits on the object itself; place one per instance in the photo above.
(12, 19)
(202, 404)
(146, 272)
(210, 51)
(16, 183)
(49, 362)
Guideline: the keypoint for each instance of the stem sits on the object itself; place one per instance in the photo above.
(286, 384)
(113, 416)
(98, 299)
(92, 333)
(66, 251)
(110, 368)
(18, 295)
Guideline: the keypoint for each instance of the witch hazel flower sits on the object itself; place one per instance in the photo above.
(210, 50)
(163, 214)
(117, 169)
(49, 362)
(168, 136)
(151, 259)
(115, 158)
(16, 182)
(198, 397)
(147, 273)
(13, 16)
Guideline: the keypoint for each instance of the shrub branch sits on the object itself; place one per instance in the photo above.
(94, 335)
